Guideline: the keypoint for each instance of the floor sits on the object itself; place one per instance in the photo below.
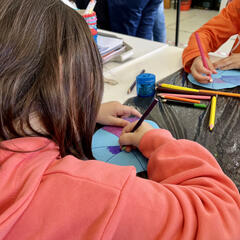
(190, 21)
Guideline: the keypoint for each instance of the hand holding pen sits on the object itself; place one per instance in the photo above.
(133, 132)
(202, 65)
(130, 140)
(199, 72)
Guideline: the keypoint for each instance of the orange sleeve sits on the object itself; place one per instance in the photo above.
(186, 197)
(214, 33)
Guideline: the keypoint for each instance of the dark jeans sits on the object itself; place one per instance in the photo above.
(133, 17)
(159, 28)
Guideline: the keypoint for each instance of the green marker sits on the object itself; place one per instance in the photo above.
(200, 105)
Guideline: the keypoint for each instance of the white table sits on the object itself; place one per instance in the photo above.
(157, 58)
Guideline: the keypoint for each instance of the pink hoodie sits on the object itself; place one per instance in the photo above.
(187, 196)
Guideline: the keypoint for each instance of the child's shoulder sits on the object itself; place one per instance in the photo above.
(94, 171)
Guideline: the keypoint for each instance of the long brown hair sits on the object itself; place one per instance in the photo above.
(50, 66)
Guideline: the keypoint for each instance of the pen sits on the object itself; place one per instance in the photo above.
(90, 7)
(138, 124)
(179, 98)
(228, 94)
(145, 115)
(186, 96)
(134, 83)
(170, 90)
(195, 91)
(185, 104)
(202, 53)
(212, 113)
(175, 87)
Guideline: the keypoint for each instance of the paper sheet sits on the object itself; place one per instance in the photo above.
(221, 80)
(105, 147)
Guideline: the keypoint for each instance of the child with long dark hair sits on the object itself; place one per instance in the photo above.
(51, 87)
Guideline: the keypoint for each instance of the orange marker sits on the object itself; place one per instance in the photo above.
(179, 99)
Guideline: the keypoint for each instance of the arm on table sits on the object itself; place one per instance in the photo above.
(214, 33)
(186, 197)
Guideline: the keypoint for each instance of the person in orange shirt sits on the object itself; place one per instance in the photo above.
(212, 35)
(51, 86)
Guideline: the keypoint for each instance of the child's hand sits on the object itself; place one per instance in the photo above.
(111, 113)
(129, 138)
(197, 70)
(231, 62)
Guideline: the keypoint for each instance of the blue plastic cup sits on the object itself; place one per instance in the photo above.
(146, 85)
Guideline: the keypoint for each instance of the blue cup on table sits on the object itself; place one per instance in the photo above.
(146, 85)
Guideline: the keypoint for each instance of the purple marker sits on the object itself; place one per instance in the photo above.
(143, 118)
(145, 114)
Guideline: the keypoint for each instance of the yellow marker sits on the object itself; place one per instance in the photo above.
(212, 113)
(178, 87)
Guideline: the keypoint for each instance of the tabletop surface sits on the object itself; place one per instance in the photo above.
(157, 58)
